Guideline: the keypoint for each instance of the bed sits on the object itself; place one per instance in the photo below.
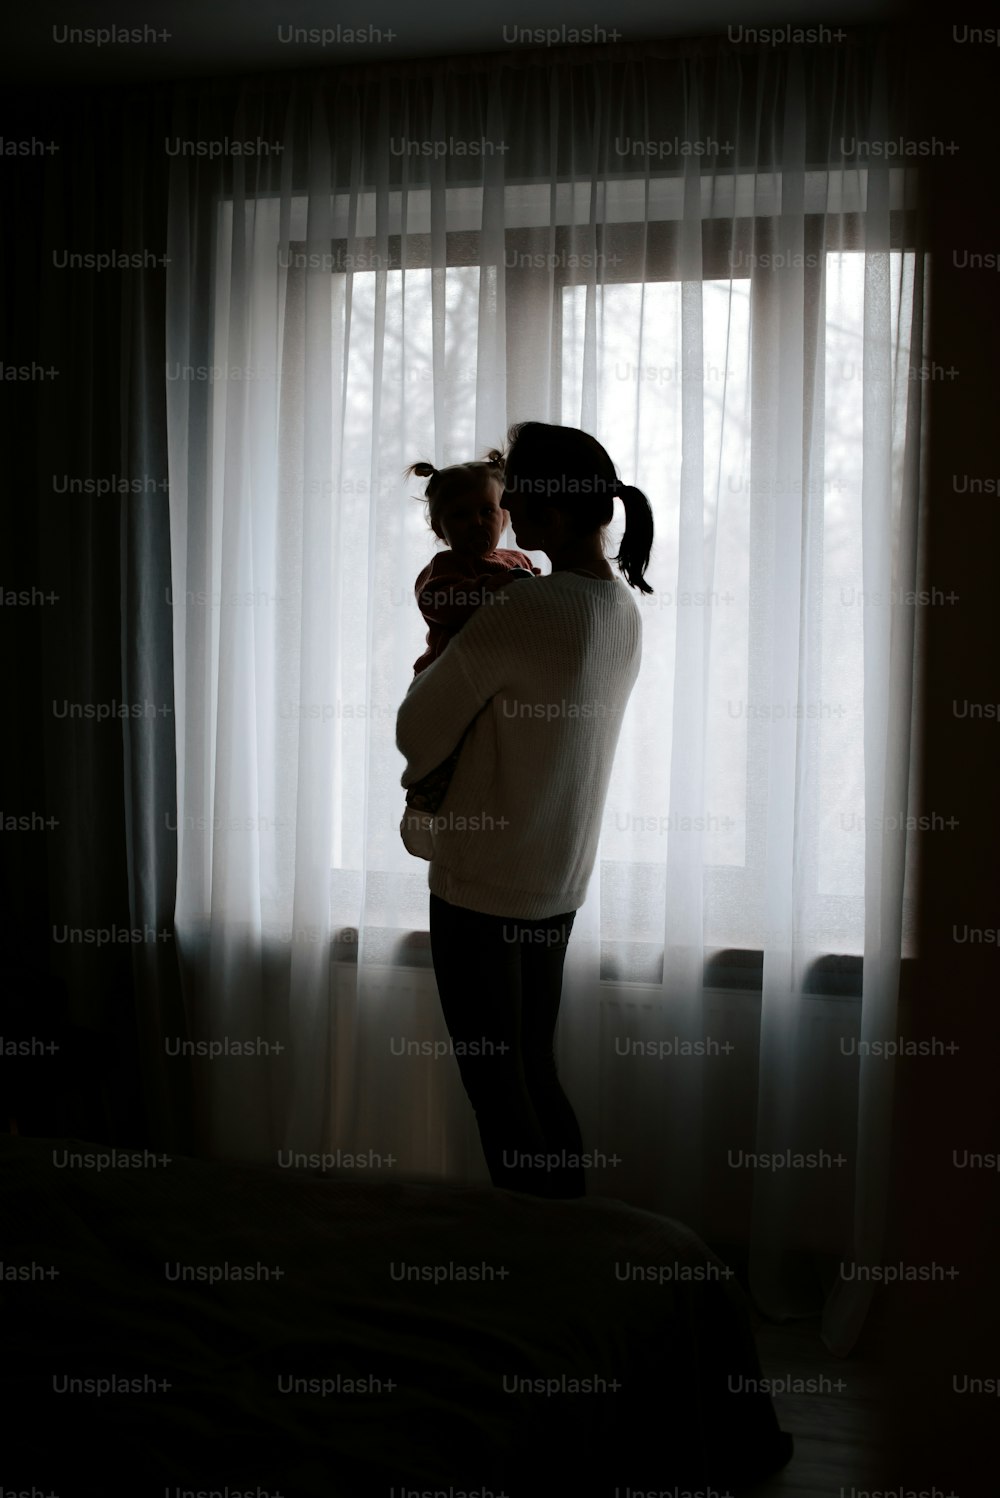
(243, 1328)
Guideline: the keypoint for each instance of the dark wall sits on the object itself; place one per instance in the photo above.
(944, 1214)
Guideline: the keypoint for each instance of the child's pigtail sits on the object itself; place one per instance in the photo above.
(431, 495)
(420, 470)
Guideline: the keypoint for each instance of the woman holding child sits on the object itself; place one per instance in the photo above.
(509, 731)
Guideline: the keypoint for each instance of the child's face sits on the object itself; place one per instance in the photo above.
(472, 522)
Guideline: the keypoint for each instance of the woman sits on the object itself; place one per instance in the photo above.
(543, 680)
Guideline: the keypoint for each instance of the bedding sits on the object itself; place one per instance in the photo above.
(231, 1328)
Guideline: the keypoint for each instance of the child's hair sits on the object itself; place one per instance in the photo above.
(444, 483)
(567, 469)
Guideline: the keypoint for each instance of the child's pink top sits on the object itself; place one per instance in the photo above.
(452, 587)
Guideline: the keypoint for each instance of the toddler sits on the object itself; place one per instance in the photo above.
(465, 511)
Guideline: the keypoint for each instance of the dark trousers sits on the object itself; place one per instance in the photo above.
(500, 982)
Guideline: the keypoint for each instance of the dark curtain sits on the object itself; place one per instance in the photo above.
(88, 962)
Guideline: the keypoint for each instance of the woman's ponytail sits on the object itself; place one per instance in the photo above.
(637, 542)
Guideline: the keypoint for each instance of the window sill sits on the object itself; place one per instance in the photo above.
(740, 970)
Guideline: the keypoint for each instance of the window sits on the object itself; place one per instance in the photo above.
(384, 303)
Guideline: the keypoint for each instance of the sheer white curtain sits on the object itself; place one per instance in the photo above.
(694, 256)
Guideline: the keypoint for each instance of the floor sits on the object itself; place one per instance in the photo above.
(836, 1429)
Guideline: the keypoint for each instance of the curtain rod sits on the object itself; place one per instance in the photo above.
(865, 38)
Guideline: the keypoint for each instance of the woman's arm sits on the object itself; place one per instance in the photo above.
(443, 700)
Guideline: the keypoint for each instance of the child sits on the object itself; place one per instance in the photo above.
(465, 510)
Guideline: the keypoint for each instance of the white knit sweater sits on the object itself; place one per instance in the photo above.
(543, 674)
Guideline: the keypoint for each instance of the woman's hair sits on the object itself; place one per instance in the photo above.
(567, 469)
(444, 483)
